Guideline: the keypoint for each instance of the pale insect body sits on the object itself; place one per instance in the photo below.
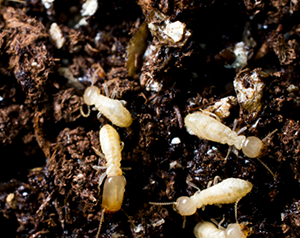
(114, 185)
(228, 191)
(112, 109)
(206, 127)
(207, 229)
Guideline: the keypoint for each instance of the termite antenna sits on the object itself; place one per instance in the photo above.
(88, 106)
(100, 223)
(267, 168)
(161, 203)
(235, 209)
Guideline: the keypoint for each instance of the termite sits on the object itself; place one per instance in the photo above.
(206, 229)
(114, 185)
(207, 127)
(228, 191)
(112, 109)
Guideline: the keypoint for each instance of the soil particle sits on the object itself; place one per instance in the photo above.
(48, 186)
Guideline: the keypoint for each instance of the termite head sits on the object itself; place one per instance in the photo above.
(236, 230)
(113, 193)
(89, 94)
(253, 147)
(185, 206)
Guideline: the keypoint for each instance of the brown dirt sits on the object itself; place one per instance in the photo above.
(46, 147)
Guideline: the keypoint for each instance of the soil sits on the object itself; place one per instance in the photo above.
(48, 185)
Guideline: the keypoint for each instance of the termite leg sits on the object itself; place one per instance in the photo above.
(113, 94)
(122, 145)
(83, 113)
(234, 124)
(232, 148)
(96, 167)
(217, 179)
(184, 221)
(211, 114)
(235, 151)
(211, 183)
(269, 135)
(129, 218)
(99, 114)
(19, 1)
(97, 152)
(219, 224)
(101, 179)
(94, 75)
(126, 168)
(214, 182)
(188, 182)
(241, 130)
(123, 102)
(105, 88)
(228, 153)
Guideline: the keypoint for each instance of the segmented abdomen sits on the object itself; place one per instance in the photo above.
(206, 127)
(225, 192)
(113, 110)
(110, 145)
(208, 230)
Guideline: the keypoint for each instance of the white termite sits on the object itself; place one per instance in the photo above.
(112, 109)
(228, 191)
(207, 229)
(207, 127)
(114, 185)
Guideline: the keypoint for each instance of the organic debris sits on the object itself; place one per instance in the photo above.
(238, 59)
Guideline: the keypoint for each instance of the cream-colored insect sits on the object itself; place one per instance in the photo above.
(206, 127)
(112, 109)
(228, 191)
(114, 185)
(207, 229)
